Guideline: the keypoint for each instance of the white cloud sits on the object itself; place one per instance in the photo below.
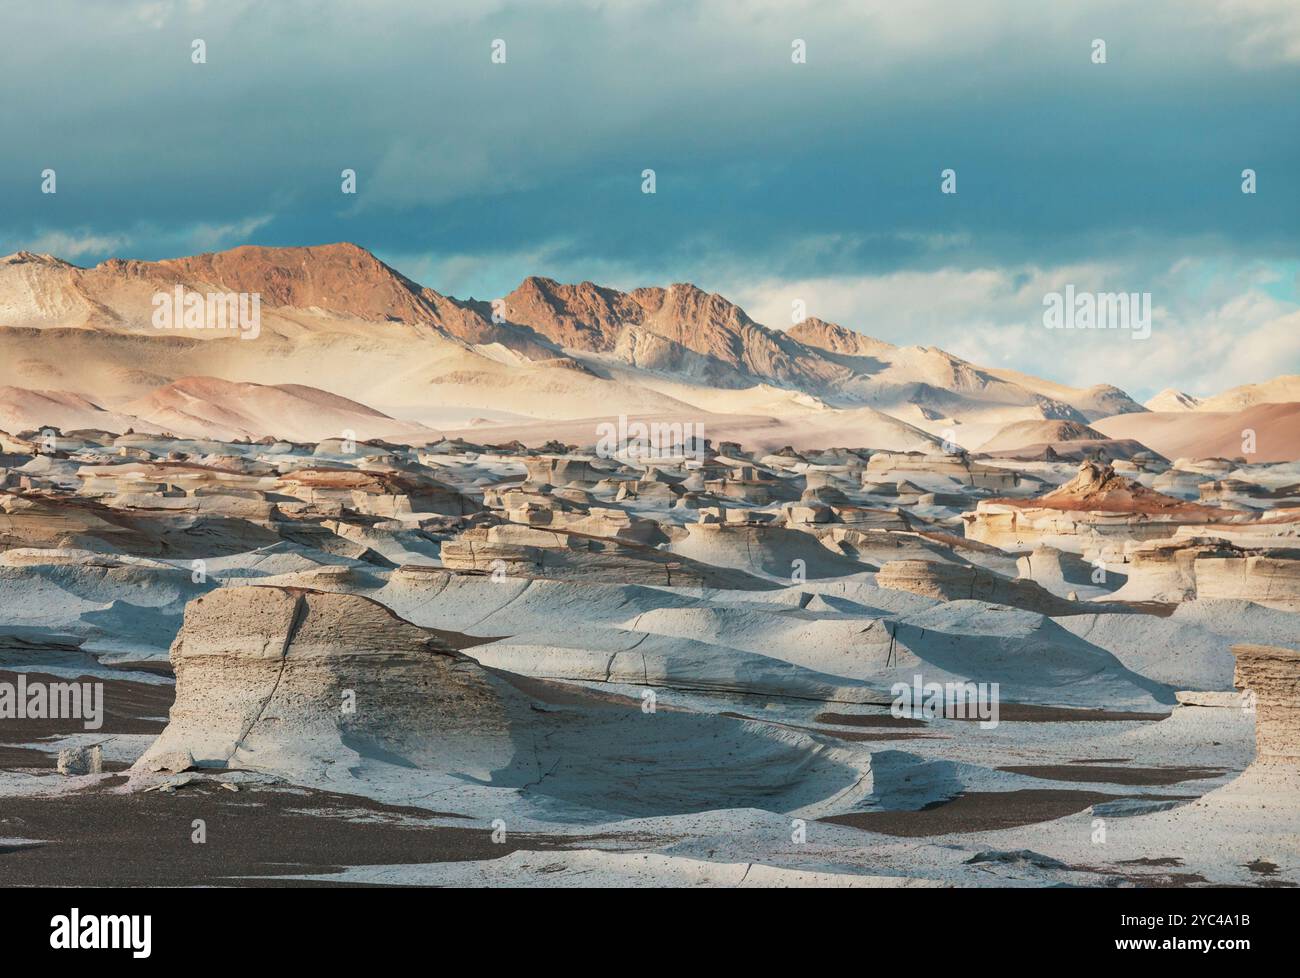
(212, 237)
(72, 245)
(1211, 328)
(1262, 31)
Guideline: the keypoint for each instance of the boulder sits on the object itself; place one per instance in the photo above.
(81, 760)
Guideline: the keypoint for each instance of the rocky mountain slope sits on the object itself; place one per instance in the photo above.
(336, 319)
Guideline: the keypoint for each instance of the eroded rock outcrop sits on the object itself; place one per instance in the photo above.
(1205, 568)
(764, 548)
(49, 521)
(512, 550)
(557, 471)
(954, 582)
(389, 494)
(1093, 509)
(913, 465)
(336, 690)
(1271, 677)
(272, 677)
(1271, 578)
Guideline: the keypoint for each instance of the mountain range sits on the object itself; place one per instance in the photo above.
(346, 342)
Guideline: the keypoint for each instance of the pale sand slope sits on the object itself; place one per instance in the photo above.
(1170, 399)
(1021, 433)
(1279, 390)
(206, 407)
(30, 410)
(1191, 649)
(210, 408)
(875, 637)
(1030, 439)
(1098, 401)
(857, 427)
(391, 367)
(768, 551)
(1213, 434)
(902, 414)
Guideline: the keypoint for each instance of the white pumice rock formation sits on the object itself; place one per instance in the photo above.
(266, 673)
(1271, 677)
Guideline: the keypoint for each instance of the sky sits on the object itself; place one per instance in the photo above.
(775, 181)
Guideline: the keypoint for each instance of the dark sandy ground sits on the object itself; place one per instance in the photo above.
(103, 838)
(1104, 774)
(129, 708)
(1016, 712)
(977, 811)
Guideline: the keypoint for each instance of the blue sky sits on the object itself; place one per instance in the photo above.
(775, 181)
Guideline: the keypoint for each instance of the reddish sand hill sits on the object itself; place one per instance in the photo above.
(1214, 434)
(24, 410)
(1058, 439)
(339, 279)
(213, 408)
(1021, 433)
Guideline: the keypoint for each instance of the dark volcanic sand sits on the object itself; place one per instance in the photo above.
(159, 667)
(1114, 775)
(1029, 713)
(845, 735)
(976, 811)
(1022, 712)
(128, 706)
(102, 838)
(869, 720)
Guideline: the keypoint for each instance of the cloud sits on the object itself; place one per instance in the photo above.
(71, 245)
(771, 175)
(208, 237)
(1225, 331)
(1262, 31)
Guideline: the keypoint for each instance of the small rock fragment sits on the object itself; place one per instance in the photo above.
(81, 760)
(172, 761)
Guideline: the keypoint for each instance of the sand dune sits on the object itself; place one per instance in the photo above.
(1279, 390)
(29, 410)
(1214, 434)
(858, 427)
(206, 407)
